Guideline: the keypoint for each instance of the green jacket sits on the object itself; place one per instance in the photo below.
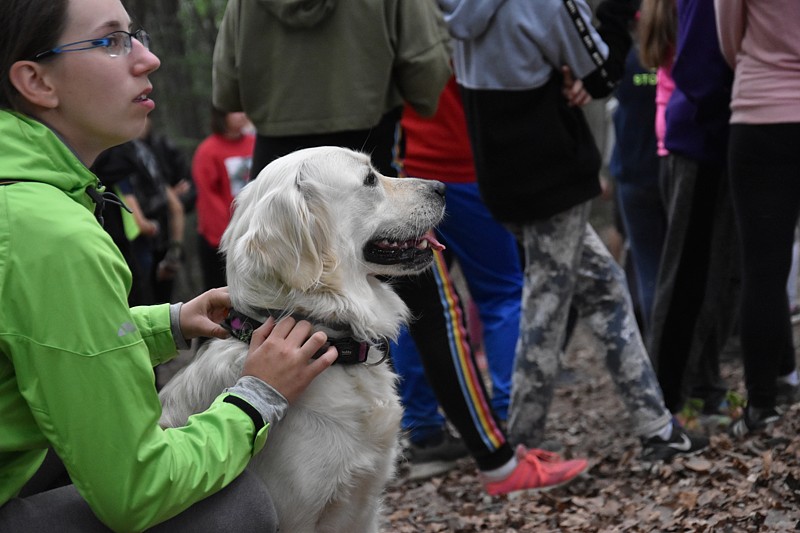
(319, 66)
(76, 363)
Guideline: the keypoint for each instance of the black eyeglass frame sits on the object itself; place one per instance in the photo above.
(106, 41)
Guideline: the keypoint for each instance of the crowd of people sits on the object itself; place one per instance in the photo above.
(483, 95)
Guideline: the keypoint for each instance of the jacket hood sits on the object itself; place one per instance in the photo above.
(33, 152)
(299, 13)
(468, 19)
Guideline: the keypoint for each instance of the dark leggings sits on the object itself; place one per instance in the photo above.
(49, 503)
(420, 293)
(765, 184)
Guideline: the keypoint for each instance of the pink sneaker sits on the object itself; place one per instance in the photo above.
(537, 469)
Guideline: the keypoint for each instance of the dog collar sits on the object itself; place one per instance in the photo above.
(351, 351)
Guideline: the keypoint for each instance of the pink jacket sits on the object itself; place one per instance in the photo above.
(664, 87)
(759, 39)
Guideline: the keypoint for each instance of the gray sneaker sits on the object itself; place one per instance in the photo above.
(435, 457)
(754, 420)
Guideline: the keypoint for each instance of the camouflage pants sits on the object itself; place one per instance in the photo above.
(566, 264)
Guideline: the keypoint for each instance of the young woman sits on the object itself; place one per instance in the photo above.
(759, 42)
(76, 368)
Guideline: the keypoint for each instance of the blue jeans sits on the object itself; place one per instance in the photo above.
(645, 222)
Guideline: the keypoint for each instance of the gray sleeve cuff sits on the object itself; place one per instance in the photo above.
(175, 326)
(269, 402)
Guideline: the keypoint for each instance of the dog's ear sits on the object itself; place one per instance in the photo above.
(280, 229)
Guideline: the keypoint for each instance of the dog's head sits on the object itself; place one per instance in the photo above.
(322, 221)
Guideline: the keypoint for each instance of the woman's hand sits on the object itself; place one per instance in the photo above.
(573, 89)
(281, 355)
(200, 317)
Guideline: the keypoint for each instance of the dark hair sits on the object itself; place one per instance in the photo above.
(27, 27)
(218, 123)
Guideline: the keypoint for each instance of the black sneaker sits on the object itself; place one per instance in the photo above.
(754, 420)
(679, 442)
(434, 457)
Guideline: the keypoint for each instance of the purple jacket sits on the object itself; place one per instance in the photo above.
(698, 112)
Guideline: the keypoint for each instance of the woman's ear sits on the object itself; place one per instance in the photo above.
(30, 80)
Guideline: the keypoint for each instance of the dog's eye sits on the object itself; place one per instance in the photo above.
(371, 179)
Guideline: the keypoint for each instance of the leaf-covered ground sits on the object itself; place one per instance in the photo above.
(750, 485)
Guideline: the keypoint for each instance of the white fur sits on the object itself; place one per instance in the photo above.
(296, 242)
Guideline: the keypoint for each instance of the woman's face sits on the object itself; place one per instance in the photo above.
(101, 101)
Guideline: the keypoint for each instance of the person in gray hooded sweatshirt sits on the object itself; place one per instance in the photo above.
(524, 69)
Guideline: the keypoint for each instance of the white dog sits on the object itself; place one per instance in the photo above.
(308, 238)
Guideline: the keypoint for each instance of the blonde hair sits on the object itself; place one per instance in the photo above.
(657, 31)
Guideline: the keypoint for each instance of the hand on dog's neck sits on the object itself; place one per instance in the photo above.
(351, 351)
(336, 329)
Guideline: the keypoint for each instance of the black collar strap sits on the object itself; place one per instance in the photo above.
(351, 351)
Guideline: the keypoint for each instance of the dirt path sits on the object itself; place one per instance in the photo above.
(751, 485)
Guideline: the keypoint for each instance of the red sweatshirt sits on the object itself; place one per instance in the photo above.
(220, 168)
(438, 147)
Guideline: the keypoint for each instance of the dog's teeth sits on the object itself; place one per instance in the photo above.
(421, 245)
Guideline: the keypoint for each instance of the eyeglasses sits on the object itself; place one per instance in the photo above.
(116, 43)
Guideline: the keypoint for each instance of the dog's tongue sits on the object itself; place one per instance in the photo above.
(432, 242)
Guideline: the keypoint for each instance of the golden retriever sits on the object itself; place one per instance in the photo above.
(310, 237)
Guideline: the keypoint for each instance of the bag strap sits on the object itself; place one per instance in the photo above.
(8, 182)
(588, 43)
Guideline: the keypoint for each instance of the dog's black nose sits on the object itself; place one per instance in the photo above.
(438, 187)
